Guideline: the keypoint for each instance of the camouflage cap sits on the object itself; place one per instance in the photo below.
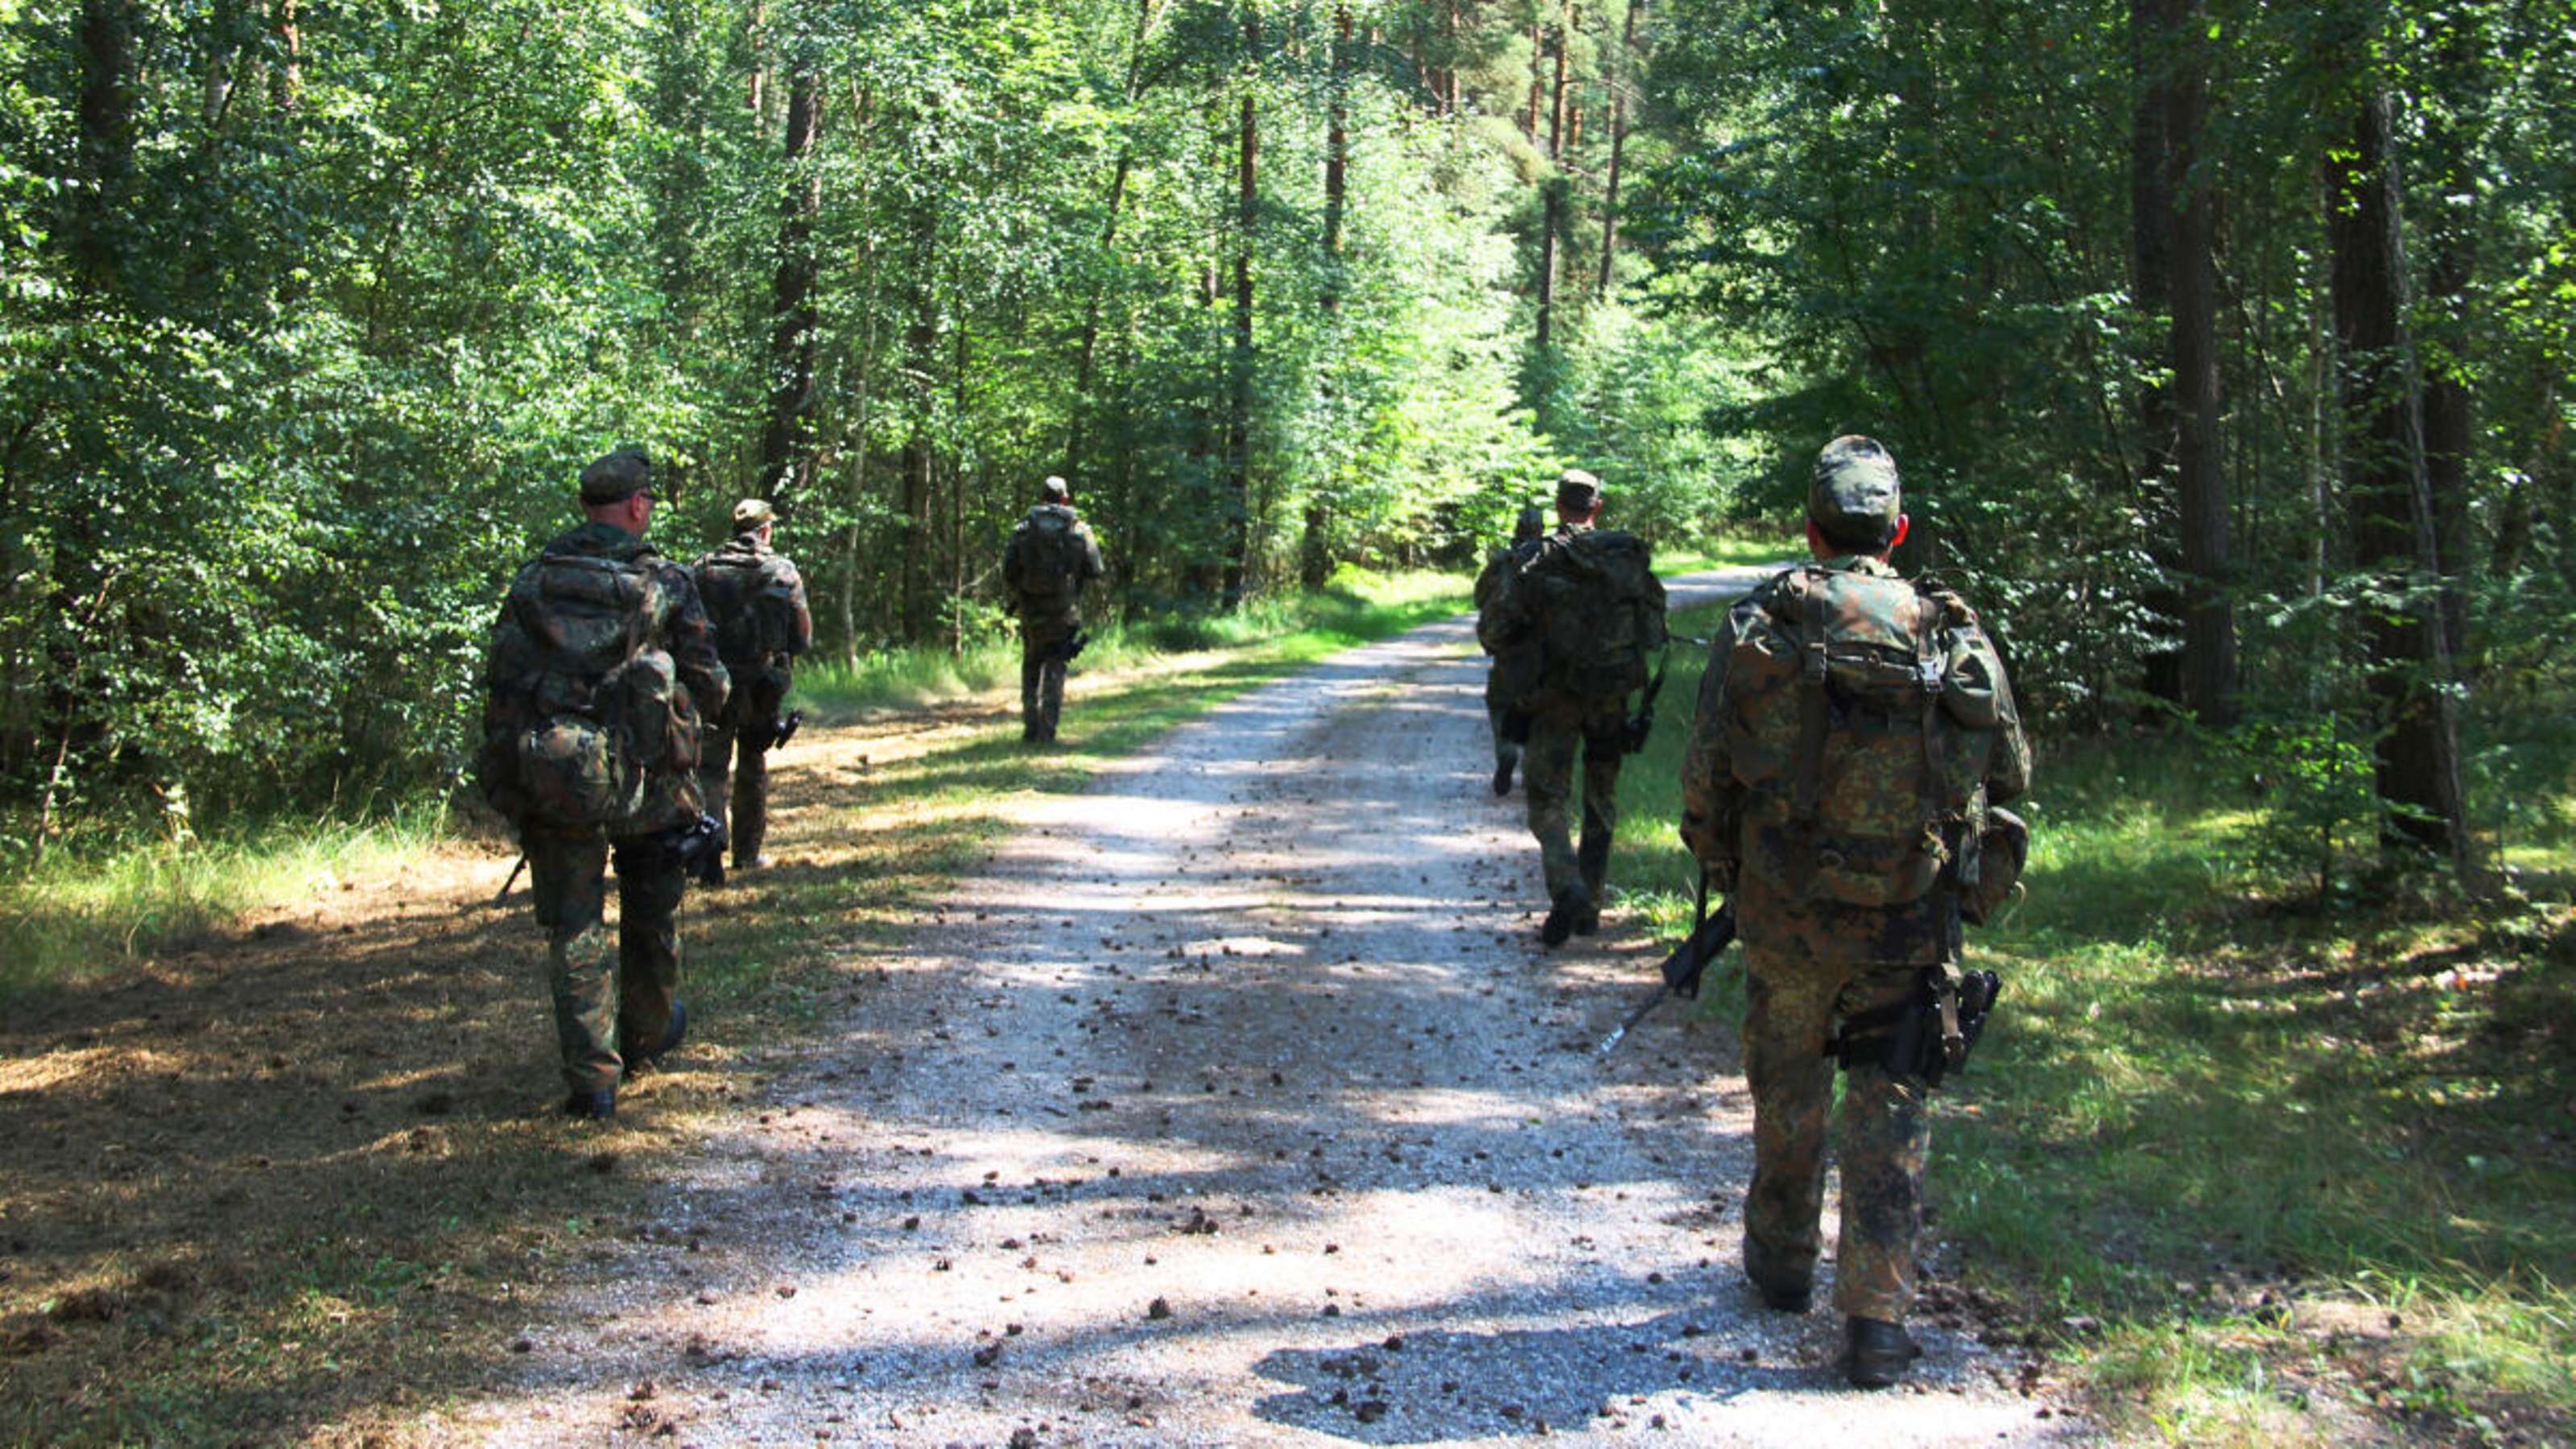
(1055, 490)
(1854, 499)
(751, 513)
(619, 475)
(1577, 491)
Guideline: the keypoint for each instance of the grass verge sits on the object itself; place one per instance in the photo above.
(2255, 1171)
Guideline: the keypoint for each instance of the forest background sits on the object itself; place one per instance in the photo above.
(2225, 345)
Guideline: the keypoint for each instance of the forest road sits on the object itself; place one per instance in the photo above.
(1237, 1103)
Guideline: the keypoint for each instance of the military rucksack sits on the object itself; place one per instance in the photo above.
(588, 725)
(1044, 560)
(1591, 595)
(751, 600)
(1863, 752)
(752, 603)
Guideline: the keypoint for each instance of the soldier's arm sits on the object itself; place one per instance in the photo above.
(691, 639)
(1093, 566)
(803, 633)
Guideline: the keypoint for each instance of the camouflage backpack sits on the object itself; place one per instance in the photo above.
(1043, 563)
(751, 599)
(1863, 752)
(587, 724)
(1589, 590)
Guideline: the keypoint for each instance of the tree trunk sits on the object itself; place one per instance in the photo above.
(2418, 761)
(1619, 81)
(1552, 201)
(920, 345)
(1108, 241)
(106, 154)
(2209, 637)
(1538, 53)
(2454, 138)
(787, 445)
(1337, 147)
(1238, 461)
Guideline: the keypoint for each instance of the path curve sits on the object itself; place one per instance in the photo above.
(1235, 1103)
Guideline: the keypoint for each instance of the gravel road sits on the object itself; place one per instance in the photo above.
(1236, 1103)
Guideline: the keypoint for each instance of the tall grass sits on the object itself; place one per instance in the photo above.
(90, 906)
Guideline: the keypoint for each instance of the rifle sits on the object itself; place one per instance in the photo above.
(1642, 724)
(786, 728)
(697, 848)
(1064, 650)
(513, 880)
(1682, 969)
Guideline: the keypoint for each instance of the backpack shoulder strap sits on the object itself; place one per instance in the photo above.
(1931, 667)
(1796, 608)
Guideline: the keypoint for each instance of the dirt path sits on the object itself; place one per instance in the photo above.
(1234, 1103)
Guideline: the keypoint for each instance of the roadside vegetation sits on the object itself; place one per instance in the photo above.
(2258, 1166)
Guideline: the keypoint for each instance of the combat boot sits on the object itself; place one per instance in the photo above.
(1504, 764)
(1563, 914)
(1879, 1353)
(1592, 859)
(671, 1039)
(597, 1106)
(1783, 1290)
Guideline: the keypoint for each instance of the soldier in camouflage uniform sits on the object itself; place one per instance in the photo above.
(1590, 600)
(1508, 679)
(1837, 941)
(616, 1003)
(756, 600)
(1050, 559)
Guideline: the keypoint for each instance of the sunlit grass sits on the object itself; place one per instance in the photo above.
(88, 908)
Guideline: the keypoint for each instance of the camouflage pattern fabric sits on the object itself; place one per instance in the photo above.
(1051, 557)
(612, 998)
(1042, 678)
(1516, 662)
(1574, 575)
(756, 599)
(544, 704)
(1048, 615)
(733, 774)
(1792, 1003)
(1813, 960)
(608, 997)
(1597, 727)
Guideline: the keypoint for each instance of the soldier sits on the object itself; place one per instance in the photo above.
(1854, 731)
(1589, 601)
(1508, 679)
(756, 600)
(1051, 556)
(600, 662)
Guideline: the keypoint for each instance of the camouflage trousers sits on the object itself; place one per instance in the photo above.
(745, 748)
(1792, 1003)
(1557, 728)
(612, 998)
(1041, 678)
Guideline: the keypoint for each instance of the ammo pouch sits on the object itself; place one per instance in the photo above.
(1928, 1037)
(1990, 878)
